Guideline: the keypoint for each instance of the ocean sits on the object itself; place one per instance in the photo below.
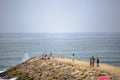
(16, 47)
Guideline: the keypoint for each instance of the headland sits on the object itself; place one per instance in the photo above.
(60, 68)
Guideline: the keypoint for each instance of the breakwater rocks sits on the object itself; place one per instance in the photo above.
(38, 69)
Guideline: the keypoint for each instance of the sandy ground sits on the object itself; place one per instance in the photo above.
(105, 67)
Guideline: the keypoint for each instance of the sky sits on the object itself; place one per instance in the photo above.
(59, 16)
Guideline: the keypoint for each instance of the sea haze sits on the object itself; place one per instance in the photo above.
(13, 46)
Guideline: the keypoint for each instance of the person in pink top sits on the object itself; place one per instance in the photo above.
(103, 78)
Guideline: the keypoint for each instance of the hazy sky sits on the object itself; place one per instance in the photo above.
(59, 15)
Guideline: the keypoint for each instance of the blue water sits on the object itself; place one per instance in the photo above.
(13, 46)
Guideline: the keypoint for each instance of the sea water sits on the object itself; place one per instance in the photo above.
(18, 47)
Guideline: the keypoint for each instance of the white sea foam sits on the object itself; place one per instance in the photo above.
(8, 79)
(25, 57)
(1, 71)
(13, 79)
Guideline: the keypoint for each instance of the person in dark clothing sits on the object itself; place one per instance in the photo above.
(90, 61)
(93, 62)
(98, 61)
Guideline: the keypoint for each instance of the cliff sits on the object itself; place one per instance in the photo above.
(59, 68)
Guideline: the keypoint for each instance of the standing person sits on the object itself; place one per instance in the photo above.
(90, 61)
(98, 61)
(93, 61)
(43, 56)
(51, 56)
(73, 57)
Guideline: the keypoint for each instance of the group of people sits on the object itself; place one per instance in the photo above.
(46, 57)
(92, 61)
